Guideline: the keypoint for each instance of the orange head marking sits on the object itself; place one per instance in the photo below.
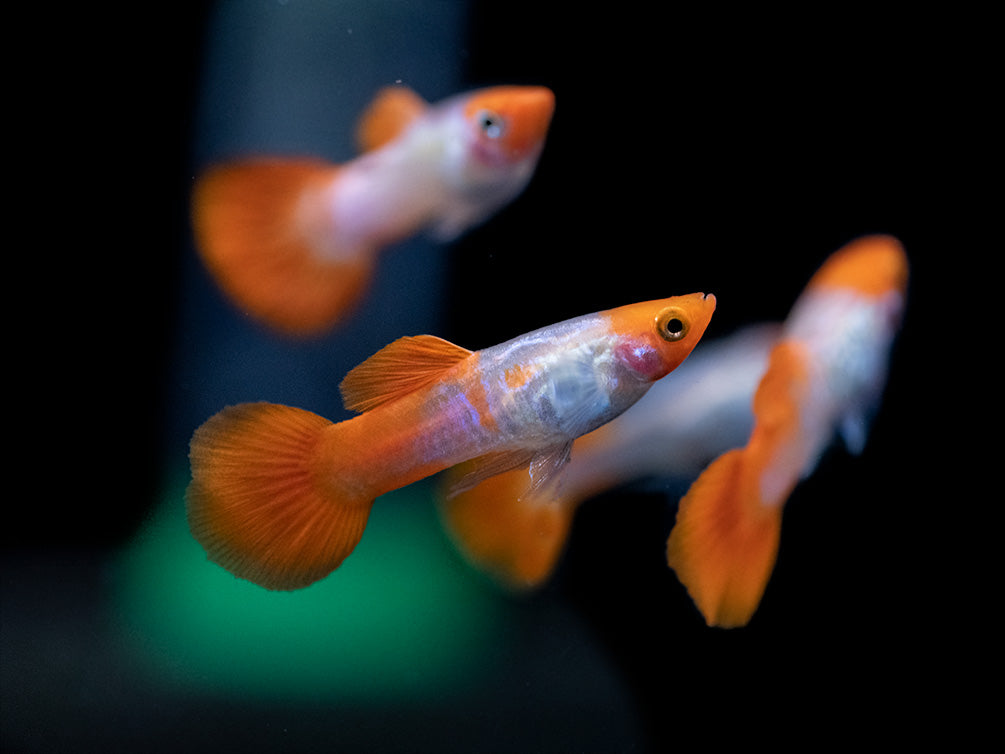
(659, 335)
(509, 123)
(871, 265)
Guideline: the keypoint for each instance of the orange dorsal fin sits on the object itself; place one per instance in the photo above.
(514, 537)
(263, 501)
(264, 230)
(391, 112)
(725, 541)
(400, 368)
(775, 449)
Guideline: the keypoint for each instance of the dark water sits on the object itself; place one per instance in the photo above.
(688, 152)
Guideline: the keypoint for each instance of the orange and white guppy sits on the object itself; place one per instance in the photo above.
(293, 240)
(825, 378)
(280, 496)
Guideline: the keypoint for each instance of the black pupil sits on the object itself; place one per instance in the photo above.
(491, 125)
(674, 326)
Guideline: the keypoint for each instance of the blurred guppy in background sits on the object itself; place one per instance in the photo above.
(293, 241)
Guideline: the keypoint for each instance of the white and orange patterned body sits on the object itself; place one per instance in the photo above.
(280, 495)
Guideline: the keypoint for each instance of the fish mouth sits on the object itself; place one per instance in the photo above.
(532, 110)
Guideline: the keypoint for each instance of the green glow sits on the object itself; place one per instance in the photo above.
(402, 616)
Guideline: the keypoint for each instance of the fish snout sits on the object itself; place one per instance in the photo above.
(530, 118)
(511, 121)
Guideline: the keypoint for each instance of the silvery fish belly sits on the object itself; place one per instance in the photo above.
(555, 384)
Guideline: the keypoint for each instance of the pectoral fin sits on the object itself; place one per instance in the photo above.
(470, 474)
(546, 468)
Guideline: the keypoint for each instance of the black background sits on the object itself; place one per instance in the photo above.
(692, 150)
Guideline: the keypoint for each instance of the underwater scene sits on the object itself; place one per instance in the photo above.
(506, 378)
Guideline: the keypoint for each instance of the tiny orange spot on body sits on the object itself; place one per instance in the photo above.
(518, 376)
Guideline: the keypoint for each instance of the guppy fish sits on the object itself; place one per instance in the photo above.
(672, 432)
(293, 241)
(824, 379)
(280, 496)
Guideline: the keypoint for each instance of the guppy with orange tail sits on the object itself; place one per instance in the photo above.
(293, 241)
(824, 379)
(280, 496)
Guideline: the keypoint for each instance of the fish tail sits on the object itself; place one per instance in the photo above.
(502, 529)
(724, 544)
(264, 500)
(264, 230)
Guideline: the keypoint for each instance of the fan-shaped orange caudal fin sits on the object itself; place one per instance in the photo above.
(258, 501)
(725, 541)
(505, 531)
(264, 230)
(723, 546)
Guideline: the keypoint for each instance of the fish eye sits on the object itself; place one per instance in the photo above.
(490, 124)
(671, 324)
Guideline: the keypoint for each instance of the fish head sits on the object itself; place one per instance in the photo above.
(654, 337)
(871, 270)
(872, 265)
(507, 125)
